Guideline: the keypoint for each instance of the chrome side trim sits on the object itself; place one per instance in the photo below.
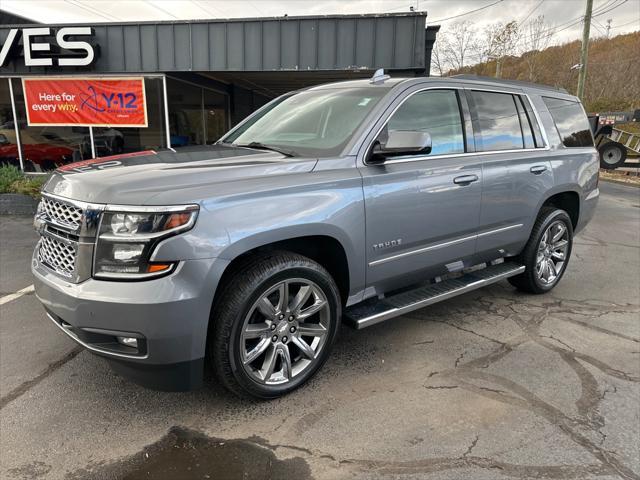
(421, 250)
(442, 245)
(464, 154)
(503, 229)
(99, 350)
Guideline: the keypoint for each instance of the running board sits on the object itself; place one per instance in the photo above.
(367, 313)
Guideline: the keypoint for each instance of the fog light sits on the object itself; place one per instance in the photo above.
(128, 341)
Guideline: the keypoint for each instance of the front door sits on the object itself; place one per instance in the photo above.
(422, 210)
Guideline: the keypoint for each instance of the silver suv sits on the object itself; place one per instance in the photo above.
(351, 202)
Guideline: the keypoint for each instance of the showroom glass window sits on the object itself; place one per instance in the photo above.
(8, 144)
(115, 140)
(46, 148)
(436, 112)
(197, 115)
(498, 125)
(571, 122)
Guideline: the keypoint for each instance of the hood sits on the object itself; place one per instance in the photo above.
(136, 178)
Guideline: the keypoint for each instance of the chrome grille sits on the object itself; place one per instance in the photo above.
(62, 213)
(58, 256)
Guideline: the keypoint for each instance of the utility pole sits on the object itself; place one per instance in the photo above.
(609, 26)
(584, 52)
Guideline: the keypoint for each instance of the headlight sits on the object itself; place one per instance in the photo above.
(127, 238)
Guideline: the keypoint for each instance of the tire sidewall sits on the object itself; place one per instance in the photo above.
(326, 284)
(551, 217)
(603, 150)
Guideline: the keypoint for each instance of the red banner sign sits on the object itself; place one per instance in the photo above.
(89, 102)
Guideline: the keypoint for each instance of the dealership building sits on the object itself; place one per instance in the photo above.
(199, 78)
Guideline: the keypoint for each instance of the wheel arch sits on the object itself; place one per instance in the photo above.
(330, 249)
(567, 200)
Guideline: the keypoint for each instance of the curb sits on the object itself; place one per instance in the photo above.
(17, 204)
(620, 182)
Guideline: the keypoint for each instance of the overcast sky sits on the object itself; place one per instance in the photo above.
(624, 14)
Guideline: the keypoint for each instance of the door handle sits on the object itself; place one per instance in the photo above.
(538, 169)
(465, 179)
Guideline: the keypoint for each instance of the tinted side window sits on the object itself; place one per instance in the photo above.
(571, 122)
(527, 132)
(498, 121)
(533, 121)
(436, 112)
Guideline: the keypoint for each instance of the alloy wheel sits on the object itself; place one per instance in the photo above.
(552, 253)
(284, 331)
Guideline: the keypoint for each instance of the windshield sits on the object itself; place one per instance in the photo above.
(315, 123)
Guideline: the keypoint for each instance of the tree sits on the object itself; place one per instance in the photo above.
(502, 40)
(437, 61)
(536, 37)
(459, 45)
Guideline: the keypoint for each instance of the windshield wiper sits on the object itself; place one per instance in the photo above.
(262, 146)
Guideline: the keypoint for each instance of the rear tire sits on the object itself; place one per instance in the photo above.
(274, 325)
(546, 254)
(612, 155)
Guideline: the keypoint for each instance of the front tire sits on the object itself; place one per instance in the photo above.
(547, 252)
(274, 325)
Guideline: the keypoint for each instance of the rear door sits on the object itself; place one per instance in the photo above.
(516, 170)
(422, 210)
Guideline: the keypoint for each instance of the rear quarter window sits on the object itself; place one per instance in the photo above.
(571, 122)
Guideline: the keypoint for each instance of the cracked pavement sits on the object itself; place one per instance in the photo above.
(490, 385)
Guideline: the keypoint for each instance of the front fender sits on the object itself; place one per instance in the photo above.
(332, 206)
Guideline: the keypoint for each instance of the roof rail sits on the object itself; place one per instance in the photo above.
(502, 81)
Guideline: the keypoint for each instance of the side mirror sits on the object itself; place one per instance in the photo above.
(400, 142)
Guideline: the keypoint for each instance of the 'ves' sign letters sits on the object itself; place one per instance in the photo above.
(38, 51)
(90, 102)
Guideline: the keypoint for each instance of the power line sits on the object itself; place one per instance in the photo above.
(523, 21)
(466, 13)
(612, 8)
(607, 7)
(162, 10)
(628, 23)
(211, 15)
(108, 17)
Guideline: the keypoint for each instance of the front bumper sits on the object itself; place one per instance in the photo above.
(169, 316)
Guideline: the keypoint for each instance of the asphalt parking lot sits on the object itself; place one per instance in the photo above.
(490, 385)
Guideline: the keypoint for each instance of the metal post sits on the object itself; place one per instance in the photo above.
(166, 110)
(204, 117)
(93, 145)
(584, 52)
(15, 125)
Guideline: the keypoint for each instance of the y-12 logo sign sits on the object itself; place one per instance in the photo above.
(87, 101)
(109, 101)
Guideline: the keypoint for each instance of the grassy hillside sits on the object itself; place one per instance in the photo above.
(613, 73)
